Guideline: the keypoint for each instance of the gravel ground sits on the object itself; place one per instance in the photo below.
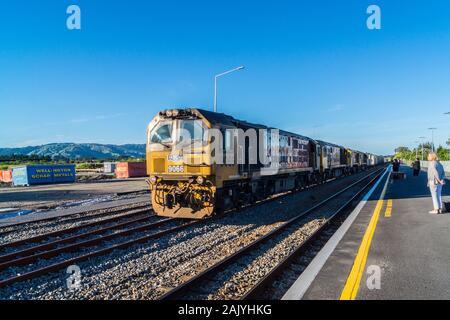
(146, 271)
(238, 278)
(81, 233)
(287, 278)
(13, 271)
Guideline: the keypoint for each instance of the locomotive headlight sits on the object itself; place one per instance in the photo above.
(153, 179)
(200, 180)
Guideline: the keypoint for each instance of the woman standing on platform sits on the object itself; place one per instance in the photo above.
(436, 179)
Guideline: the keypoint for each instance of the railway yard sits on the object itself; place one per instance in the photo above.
(224, 159)
(127, 252)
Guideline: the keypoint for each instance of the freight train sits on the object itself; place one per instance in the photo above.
(201, 162)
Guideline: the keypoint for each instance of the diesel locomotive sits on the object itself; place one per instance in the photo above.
(201, 162)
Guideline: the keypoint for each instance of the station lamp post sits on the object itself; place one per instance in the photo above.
(215, 83)
(447, 142)
(432, 137)
(417, 148)
(422, 138)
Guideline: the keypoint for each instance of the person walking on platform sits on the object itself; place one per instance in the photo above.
(436, 179)
(395, 165)
(416, 167)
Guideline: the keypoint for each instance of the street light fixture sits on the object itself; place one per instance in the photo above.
(432, 137)
(215, 83)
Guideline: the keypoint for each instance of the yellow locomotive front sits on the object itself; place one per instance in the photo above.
(179, 164)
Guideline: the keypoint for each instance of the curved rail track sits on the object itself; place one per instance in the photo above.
(197, 286)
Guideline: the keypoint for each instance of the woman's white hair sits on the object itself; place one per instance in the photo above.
(432, 156)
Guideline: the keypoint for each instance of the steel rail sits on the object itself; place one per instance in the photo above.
(48, 245)
(75, 246)
(195, 280)
(59, 265)
(85, 215)
(70, 230)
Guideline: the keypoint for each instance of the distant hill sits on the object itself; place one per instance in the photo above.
(79, 150)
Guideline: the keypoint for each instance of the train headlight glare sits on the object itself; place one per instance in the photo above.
(153, 179)
(200, 180)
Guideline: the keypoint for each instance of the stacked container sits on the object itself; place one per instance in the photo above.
(130, 169)
(109, 167)
(43, 174)
(6, 176)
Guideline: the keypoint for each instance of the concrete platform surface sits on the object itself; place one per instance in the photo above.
(394, 249)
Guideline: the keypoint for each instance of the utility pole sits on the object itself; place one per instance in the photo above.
(422, 138)
(417, 148)
(432, 137)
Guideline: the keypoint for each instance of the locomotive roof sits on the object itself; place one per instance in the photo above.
(221, 118)
(224, 119)
(329, 144)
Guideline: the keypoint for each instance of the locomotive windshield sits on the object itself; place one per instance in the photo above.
(162, 133)
(180, 132)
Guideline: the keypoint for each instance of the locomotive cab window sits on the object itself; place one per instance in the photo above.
(161, 133)
(190, 130)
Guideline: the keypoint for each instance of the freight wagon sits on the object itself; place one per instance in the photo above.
(109, 167)
(6, 176)
(43, 174)
(130, 169)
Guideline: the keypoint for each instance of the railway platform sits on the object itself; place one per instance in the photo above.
(390, 247)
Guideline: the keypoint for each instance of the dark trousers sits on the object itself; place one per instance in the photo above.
(416, 172)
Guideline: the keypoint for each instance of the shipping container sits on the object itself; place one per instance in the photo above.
(109, 167)
(130, 169)
(6, 176)
(43, 174)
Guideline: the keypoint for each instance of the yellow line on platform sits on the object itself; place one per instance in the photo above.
(388, 212)
(352, 285)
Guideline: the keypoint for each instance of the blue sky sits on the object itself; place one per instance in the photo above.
(312, 67)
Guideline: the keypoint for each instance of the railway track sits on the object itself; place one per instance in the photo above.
(207, 283)
(71, 218)
(141, 215)
(44, 255)
(54, 248)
